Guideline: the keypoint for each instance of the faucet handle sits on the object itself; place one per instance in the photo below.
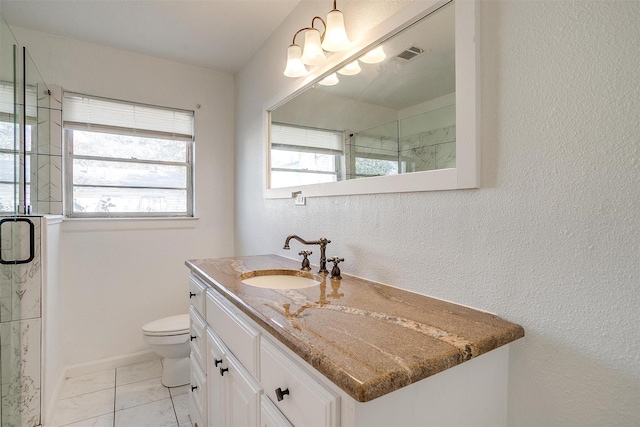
(306, 265)
(335, 271)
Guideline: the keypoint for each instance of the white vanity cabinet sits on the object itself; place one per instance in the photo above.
(229, 388)
(248, 377)
(198, 401)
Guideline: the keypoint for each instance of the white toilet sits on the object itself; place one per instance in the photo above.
(169, 337)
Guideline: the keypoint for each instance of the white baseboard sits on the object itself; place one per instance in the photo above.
(109, 363)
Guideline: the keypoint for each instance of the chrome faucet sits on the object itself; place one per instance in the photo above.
(323, 249)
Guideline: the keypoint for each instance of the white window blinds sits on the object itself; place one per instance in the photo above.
(83, 112)
(295, 136)
(8, 99)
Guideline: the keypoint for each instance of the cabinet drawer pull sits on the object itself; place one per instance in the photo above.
(223, 370)
(194, 387)
(193, 337)
(216, 362)
(191, 295)
(280, 394)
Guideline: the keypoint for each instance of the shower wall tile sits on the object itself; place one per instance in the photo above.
(42, 182)
(20, 284)
(434, 149)
(49, 179)
(420, 159)
(21, 387)
(55, 171)
(55, 132)
(55, 208)
(446, 155)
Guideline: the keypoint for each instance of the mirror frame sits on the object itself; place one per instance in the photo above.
(466, 174)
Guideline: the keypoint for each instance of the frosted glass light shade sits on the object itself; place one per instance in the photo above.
(312, 53)
(295, 67)
(374, 56)
(351, 69)
(335, 37)
(330, 80)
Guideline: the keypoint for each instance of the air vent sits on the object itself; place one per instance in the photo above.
(410, 53)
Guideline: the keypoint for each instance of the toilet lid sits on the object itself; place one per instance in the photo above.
(173, 325)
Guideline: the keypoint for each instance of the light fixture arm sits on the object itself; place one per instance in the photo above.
(298, 32)
(312, 27)
(324, 24)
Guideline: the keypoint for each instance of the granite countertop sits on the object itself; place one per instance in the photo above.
(368, 338)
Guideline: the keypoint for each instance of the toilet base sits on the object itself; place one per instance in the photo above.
(175, 372)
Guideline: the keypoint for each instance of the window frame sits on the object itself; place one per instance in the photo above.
(70, 127)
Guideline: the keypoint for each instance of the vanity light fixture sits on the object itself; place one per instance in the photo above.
(295, 67)
(312, 53)
(333, 39)
(374, 56)
(330, 80)
(351, 69)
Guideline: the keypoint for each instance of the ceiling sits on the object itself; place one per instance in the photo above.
(216, 34)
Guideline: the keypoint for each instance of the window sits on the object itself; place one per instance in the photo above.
(301, 155)
(126, 159)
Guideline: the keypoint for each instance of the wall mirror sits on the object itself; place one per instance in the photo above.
(407, 123)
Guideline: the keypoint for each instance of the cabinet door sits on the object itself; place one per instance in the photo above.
(233, 394)
(198, 401)
(270, 416)
(243, 398)
(215, 383)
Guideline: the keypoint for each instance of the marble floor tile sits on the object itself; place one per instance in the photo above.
(138, 372)
(177, 391)
(181, 406)
(88, 383)
(101, 421)
(139, 400)
(155, 414)
(85, 406)
(140, 393)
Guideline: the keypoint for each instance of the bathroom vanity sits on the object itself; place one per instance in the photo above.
(346, 352)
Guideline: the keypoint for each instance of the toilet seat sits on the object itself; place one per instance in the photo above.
(168, 326)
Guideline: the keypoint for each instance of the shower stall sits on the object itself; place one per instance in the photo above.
(29, 189)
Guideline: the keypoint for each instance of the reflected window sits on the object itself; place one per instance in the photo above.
(301, 155)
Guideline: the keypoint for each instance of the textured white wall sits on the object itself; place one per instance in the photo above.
(118, 275)
(551, 240)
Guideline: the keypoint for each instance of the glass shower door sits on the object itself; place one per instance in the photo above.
(20, 281)
(9, 159)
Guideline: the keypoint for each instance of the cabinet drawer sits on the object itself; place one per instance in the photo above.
(198, 338)
(308, 402)
(197, 291)
(198, 390)
(241, 338)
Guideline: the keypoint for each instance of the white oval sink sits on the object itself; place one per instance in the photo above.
(280, 279)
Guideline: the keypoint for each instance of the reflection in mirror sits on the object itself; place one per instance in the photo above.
(394, 117)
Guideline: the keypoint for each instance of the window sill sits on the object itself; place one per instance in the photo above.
(107, 224)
